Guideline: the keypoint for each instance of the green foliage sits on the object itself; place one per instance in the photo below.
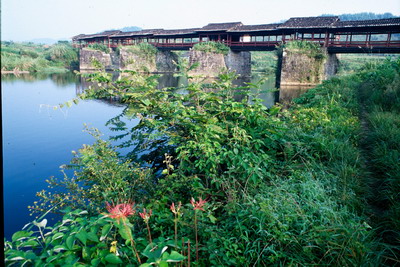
(99, 47)
(144, 50)
(99, 176)
(264, 62)
(212, 47)
(310, 48)
(283, 187)
(380, 97)
(82, 240)
(38, 58)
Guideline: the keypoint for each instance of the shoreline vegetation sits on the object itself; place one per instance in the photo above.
(215, 180)
(18, 58)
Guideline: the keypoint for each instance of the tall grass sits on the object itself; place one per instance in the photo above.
(38, 58)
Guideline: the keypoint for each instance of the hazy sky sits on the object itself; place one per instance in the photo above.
(29, 19)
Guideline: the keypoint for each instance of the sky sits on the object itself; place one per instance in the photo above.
(23, 20)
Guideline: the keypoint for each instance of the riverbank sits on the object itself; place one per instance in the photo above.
(29, 57)
(224, 182)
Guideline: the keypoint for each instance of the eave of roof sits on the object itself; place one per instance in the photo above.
(368, 23)
(256, 28)
(212, 27)
(309, 22)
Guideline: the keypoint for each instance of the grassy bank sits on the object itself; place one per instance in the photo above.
(221, 182)
(31, 57)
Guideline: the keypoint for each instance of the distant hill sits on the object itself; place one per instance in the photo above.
(126, 29)
(47, 41)
(362, 16)
(131, 29)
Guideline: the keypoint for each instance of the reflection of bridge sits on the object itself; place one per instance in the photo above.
(364, 36)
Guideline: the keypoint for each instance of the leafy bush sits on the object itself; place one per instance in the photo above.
(281, 187)
(100, 47)
(38, 58)
(212, 47)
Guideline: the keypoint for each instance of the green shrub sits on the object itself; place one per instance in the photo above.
(100, 47)
(212, 47)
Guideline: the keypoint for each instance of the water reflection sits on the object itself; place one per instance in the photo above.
(263, 87)
(60, 79)
(288, 93)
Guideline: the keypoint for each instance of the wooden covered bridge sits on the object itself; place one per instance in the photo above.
(361, 36)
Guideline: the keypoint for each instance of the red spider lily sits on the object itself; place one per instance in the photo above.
(199, 204)
(145, 215)
(120, 211)
(177, 209)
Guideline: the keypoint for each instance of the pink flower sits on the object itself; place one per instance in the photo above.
(120, 211)
(145, 215)
(199, 204)
(175, 210)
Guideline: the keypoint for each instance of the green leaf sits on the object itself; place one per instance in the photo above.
(21, 235)
(57, 236)
(68, 103)
(125, 232)
(82, 236)
(93, 237)
(95, 262)
(59, 248)
(30, 243)
(175, 257)
(112, 258)
(70, 242)
(146, 102)
(212, 218)
(104, 231)
(145, 265)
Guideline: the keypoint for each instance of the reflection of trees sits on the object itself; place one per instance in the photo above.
(10, 77)
(146, 147)
(60, 79)
(63, 79)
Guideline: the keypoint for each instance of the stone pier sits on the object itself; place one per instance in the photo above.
(211, 64)
(299, 67)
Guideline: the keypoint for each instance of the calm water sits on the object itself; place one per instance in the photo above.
(38, 139)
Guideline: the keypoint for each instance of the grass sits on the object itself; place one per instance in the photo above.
(31, 57)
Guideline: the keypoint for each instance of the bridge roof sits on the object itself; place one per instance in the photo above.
(137, 33)
(101, 34)
(368, 23)
(309, 22)
(220, 26)
(256, 28)
(177, 32)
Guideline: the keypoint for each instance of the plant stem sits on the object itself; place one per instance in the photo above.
(197, 241)
(188, 253)
(148, 230)
(176, 231)
(133, 244)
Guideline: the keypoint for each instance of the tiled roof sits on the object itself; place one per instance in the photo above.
(250, 28)
(176, 32)
(137, 33)
(221, 26)
(368, 23)
(101, 34)
(309, 22)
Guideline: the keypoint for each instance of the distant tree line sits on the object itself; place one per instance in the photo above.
(362, 16)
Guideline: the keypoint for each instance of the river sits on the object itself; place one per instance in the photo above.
(37, 138)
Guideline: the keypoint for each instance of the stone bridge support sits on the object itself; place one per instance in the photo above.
(162, 61)
(299, 67)
(212, 64)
